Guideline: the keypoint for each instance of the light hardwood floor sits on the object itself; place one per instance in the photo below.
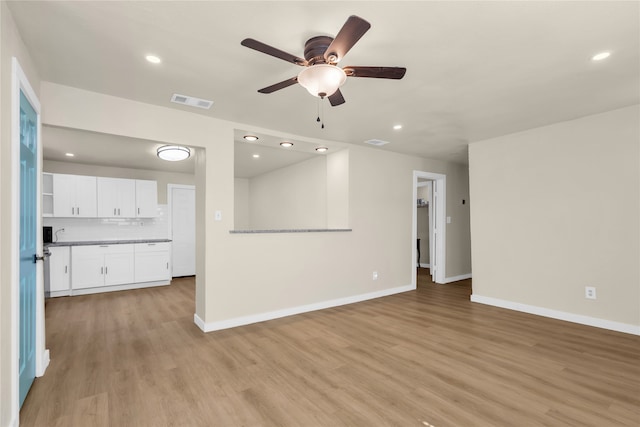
(427, 357)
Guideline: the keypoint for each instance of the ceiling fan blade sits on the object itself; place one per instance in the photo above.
(376, 72)
(270, 50)
(278, 86)
(336, 98)
(349, 34)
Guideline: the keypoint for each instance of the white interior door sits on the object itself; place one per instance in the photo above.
(183, 229)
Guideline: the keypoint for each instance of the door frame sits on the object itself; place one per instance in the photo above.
(20, 82)
(439, 209)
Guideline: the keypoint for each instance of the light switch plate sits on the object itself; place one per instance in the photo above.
(218, 215)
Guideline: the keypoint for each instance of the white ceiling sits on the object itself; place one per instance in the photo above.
(475, 70)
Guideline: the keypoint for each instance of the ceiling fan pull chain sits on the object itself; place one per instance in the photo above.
(318, 110)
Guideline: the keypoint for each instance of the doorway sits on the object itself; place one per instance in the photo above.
(436, 185)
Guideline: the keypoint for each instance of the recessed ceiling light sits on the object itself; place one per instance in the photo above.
(286, 144)
(69, 154)
(250, 137)
(397, 127)
(256, 156)
(321, 149)
(153, 59)
(600, 56)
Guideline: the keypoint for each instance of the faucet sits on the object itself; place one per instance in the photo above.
(56, 234)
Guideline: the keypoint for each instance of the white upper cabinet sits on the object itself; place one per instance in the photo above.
(74, 196)
(90, 196)
(146, 198)
(116, 198)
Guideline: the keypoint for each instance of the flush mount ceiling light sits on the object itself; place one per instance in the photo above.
(322, 79)
(173, 153)
(256, 156)
(69, 154)
(250, 138)
(600, 56)
(322, 149)
(286, 144)
(153, 59)
(397, 127)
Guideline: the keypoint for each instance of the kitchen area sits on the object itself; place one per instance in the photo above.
(108, 227)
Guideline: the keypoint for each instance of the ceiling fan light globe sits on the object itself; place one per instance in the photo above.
(322, 79)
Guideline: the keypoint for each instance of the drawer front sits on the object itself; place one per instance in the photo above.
(103, 249)
(152, 247)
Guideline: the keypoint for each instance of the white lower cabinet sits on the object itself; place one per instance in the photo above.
(152, 262)
(101, 265)
(113, 267)
(59, 271)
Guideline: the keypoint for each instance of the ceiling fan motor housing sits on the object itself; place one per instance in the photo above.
(315, 48)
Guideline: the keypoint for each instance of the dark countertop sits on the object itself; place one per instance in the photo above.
(106, 242)
(295, 230)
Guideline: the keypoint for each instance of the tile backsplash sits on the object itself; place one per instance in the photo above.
(83, 229)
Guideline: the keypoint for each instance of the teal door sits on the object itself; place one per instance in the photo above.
(28, 223)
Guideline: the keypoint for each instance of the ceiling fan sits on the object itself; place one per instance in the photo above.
(321, 75)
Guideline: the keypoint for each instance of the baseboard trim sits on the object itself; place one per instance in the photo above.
(255, 318)
(560, 315)
(425, 265)
(117, 288)
(457, 278)
(199, 322)
(46, 359)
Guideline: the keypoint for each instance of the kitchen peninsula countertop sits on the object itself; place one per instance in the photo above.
(293, 230)
(105, 242)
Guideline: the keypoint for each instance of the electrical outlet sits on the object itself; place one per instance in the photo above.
(590, 292)
(375, 275)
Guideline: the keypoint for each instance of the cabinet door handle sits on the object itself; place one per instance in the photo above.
(78, 211)
(118, 211)
(106, 270)
(114, 211)
(101, 270)
(138, 211)
(151, 244)
(73, 211)
(65, 269)
(167, 266)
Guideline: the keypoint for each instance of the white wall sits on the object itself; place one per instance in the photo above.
(556, 209)
(312, 194)
(241, 204)
(291, 197)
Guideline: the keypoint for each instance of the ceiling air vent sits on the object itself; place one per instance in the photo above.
(191, 101)
(376, 142)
